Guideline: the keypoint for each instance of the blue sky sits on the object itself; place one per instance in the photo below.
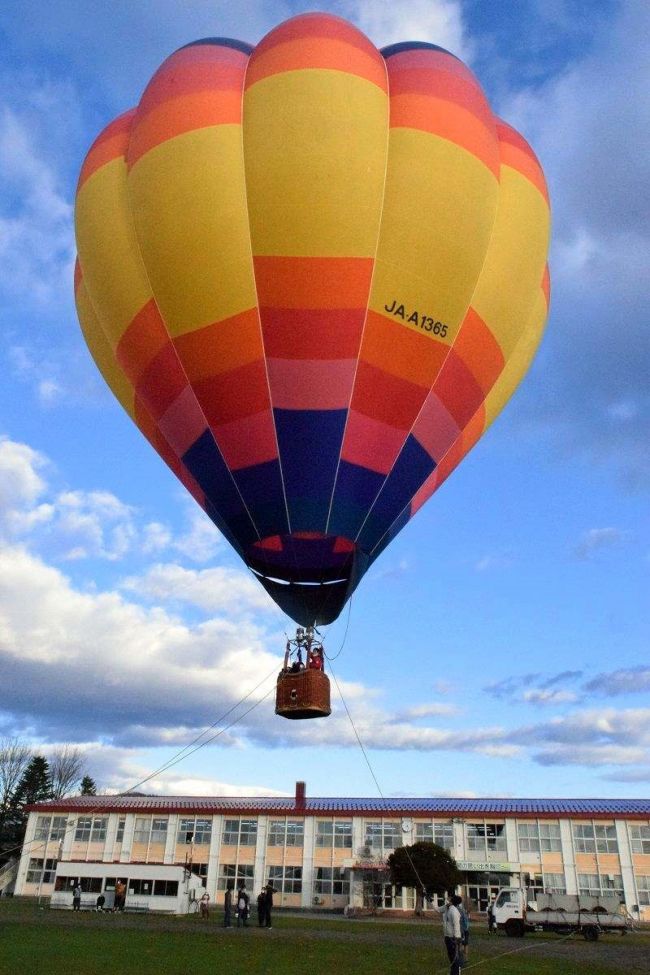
(500, 646)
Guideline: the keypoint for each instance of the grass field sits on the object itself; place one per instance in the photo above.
(37, 941)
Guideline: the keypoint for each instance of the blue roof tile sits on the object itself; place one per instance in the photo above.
(609, 808)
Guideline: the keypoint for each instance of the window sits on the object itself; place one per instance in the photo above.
(528, 834)
(201, 870)
(606, 841)
(232, 875)
(64, 883)
(286, 879)
(203, 832)
(611, 884)
(640, 839)
(59, 825)
(286, 832)
(158, 831)
(142, 830)
(41, 871)
(42, 830)
(589, 883)
(140, 888)
(440, 833)
(507, 897)
(121, 823)
(383, 836)
(550, 840)
(150, 830)
(197, 831)
(584, 839)
(589, 838)
(82, 832)
(539, 837)
(599, 885)
(242, 831)
(98, 834)
(484, 837)
(643, 887)
(554, 883)
(337, 833)
(331, 881)
(165, 888)
(91, 829)
(90, 885)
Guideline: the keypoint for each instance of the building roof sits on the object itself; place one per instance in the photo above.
(262, 805)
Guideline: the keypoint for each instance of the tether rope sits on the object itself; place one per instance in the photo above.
(179, 756)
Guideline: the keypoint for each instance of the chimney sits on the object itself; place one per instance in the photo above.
(300, 795)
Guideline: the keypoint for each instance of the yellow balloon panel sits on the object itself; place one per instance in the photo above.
(188, 198)
(315, 148)
(114, 274)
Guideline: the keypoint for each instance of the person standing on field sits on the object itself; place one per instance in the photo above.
(453, 936)
(227, 907)
(242, 907)
(269, 891)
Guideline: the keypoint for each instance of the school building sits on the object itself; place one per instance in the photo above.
(329, 852)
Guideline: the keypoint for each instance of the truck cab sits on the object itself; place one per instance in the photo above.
(509, 911)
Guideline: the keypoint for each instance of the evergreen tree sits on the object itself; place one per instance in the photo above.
(88, 787)
(34, 786)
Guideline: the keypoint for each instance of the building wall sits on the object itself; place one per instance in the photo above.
(309, 859)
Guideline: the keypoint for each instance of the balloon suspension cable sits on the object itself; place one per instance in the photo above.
(372, 772)
(345, 634)
(194, 746)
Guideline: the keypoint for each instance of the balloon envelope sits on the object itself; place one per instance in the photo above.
(312, 273)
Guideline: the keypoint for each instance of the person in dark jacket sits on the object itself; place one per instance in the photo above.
(227, 907)
(261, 907)
(242, 907)
(269, 891)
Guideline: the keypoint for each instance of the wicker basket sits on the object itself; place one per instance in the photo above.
(305, 694)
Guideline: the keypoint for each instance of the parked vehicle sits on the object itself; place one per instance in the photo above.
(515, 914)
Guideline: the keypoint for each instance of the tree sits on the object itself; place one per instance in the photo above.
(429, 868)
(66, 768)
(88, 787)
(14, 758)
(34, 786)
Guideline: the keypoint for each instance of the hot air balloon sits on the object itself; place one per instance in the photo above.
(313, 273)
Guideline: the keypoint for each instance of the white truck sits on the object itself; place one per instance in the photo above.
(515, 914)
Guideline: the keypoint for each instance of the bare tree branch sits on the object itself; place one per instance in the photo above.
(15, 756)
(67, 766)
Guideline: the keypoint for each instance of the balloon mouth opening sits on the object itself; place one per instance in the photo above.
(303, 558)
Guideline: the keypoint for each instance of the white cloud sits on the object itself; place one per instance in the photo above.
(539, 696)
(21, 483)
(93, 524)
(433, 710)
(626, 680)
(391, 21)
(591, 737)
(202, 541)
(590, 126)
(36, 236)
(216, 590)
(598, 539)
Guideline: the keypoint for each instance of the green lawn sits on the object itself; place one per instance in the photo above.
(37, 941)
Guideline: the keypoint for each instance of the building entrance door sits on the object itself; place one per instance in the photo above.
(481, 894)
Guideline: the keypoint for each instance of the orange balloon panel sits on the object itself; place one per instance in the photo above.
(313, 272)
